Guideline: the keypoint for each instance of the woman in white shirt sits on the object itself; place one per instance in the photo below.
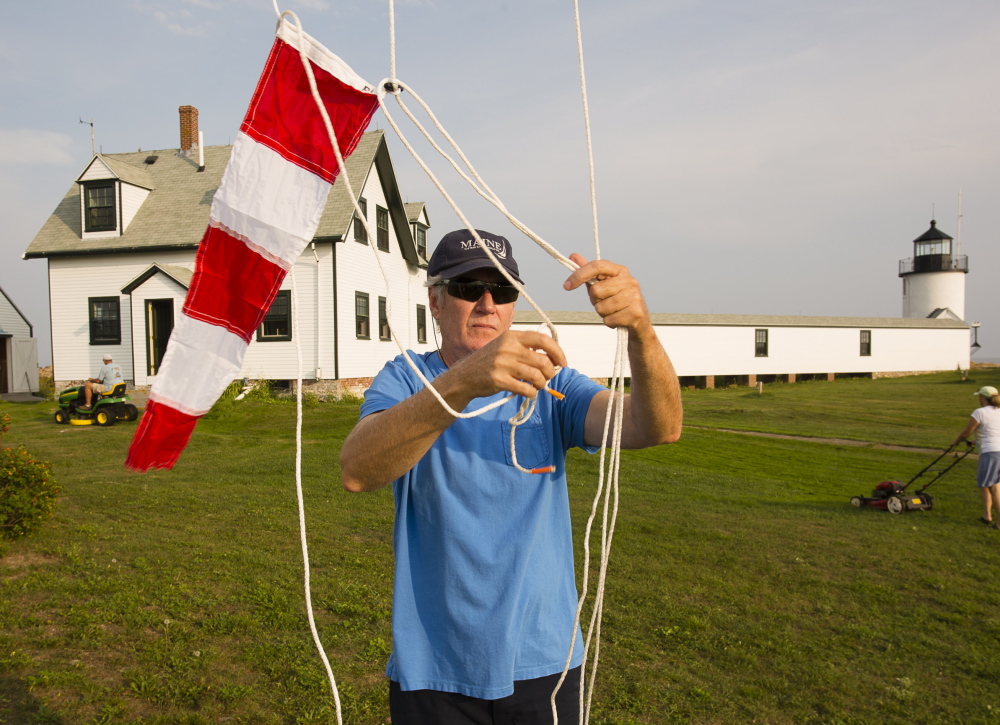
(985, 423)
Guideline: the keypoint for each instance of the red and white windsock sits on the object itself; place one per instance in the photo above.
(263, 215)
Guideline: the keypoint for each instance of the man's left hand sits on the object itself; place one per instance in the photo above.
(613, 291)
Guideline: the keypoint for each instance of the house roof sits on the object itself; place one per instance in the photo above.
(413, 211)
(31, 328)
(124, 171)
(173, 216)
(339, 210)
(176, 212)
(180, 275)
(668, 318)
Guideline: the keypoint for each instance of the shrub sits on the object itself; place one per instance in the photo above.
(46, 388)
(27, 492)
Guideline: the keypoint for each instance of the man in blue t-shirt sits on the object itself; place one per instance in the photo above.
(108, 376)
(485, 593)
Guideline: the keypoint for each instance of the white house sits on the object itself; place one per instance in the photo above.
(121, 247)
(719, 350)
(18, 350)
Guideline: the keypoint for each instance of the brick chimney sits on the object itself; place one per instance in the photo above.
(189, 128)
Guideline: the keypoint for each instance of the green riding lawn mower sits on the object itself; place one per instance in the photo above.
(105, 408)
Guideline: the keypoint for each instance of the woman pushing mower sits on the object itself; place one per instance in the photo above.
(985, 424)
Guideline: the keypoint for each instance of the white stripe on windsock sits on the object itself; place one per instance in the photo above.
(273, 203)
(200, 362)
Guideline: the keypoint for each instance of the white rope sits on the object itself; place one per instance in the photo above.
(301, 502)
(586, 124)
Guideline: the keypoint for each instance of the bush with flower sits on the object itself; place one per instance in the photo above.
(27, 491)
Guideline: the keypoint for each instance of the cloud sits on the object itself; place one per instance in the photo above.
(32, 146)
(312, 4)
(180, 23)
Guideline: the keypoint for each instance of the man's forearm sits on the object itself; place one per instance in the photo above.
(385, 445)
(654, 408)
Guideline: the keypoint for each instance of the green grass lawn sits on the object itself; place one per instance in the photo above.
(743, 586)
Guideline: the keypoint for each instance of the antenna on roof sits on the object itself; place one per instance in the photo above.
(958, 232)
(91, 124)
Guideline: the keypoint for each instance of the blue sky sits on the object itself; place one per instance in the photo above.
(773, 157)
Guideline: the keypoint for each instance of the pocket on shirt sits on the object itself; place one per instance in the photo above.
(534, 449)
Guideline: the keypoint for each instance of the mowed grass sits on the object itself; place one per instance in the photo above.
(743, 587)
(919, 410)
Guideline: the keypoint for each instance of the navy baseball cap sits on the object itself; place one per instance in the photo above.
(458, 253)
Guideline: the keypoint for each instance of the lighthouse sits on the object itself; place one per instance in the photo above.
(934, 278)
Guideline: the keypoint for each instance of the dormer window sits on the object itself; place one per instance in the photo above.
(99, 206)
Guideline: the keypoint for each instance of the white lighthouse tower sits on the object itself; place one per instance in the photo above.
(934, 278)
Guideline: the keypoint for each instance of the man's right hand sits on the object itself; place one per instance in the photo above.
(516, 362)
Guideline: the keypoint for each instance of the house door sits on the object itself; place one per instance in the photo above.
(159, 325)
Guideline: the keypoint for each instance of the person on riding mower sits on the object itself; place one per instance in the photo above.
(108, 376)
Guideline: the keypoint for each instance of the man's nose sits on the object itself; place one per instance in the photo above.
(485, 304)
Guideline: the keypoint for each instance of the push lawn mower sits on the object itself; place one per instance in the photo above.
(105, 408)
(892, 497)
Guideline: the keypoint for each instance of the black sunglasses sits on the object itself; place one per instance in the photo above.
(472, 290)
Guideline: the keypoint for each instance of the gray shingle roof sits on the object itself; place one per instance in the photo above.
(181, 275)
(339, 211)
(128, 173)
(413, 209)
(668, 318)
(176, 212)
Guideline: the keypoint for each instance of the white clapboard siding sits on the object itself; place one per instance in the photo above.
(72, 282)
(157, 287)
(358, 271)
(97, 170)
(730, 350)
(131, 199)
(11, 320)
(278, 360)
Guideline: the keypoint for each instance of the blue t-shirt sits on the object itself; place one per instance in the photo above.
(485, 589)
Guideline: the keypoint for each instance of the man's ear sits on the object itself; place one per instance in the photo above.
(432, 302)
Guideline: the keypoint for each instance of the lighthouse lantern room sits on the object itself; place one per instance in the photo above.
(934, 278)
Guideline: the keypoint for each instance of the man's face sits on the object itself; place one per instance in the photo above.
(468, 326)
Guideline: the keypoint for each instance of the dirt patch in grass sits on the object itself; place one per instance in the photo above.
(25, 560)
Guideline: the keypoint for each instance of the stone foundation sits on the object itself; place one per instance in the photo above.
(904, 373)
(334, 389)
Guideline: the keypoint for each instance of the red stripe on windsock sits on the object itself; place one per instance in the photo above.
(160, 438)
(233, 286)
(283, 115)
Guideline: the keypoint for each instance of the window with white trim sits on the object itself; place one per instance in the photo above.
(99, 206)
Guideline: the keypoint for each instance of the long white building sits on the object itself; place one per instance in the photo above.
(717, 350)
